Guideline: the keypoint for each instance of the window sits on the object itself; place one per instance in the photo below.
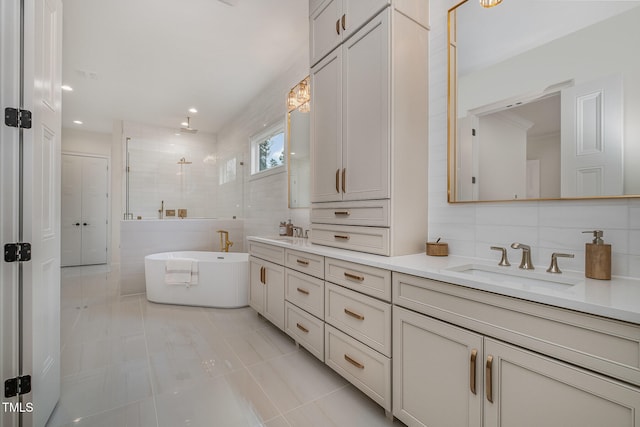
(267, 149)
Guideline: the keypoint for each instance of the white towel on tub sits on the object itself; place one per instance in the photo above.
(181, 271)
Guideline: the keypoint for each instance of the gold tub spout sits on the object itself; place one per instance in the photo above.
(225, 243)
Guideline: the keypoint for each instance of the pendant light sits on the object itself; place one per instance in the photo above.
(489, 3)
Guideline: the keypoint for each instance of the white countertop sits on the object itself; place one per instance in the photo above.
(618, 298)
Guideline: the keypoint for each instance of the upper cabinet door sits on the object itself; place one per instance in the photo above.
(326, 32)
(366, 111)
(326, 128)
(355, 13)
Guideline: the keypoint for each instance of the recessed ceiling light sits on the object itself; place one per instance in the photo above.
(193, 110)
(66, 88)
(78, 122)
(184, 124)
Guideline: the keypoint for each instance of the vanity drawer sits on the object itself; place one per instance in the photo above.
(373, 240)
(305, 262)
(305, 329)
(305, 291)
(603, 345)
(371, 213)
(267, 252)
(366, 319)
(362, 278)
(365, 368)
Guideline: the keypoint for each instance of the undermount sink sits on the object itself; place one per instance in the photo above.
(512, 276)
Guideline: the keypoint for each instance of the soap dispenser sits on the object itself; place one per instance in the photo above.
(597, 262)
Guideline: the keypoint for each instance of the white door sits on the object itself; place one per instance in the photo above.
(525, 389)
(9, 202)
(84, 210)
(41, 218)
(71, 219)
(326, 128)
(365, 98)
(591, 138)
(437, 372)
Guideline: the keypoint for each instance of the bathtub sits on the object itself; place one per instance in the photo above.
(223, 280)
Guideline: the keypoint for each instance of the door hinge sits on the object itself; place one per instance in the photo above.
(16, 118)
(17, 252)
(17, 386)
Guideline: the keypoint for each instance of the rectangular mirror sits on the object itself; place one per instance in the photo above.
(544, 100)
(298, 140)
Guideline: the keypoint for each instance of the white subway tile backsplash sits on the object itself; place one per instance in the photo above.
(512, 214)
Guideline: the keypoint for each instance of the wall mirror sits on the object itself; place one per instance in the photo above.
(544, 100)
(298, 140)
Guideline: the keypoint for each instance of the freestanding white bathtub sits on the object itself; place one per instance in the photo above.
(223, 280)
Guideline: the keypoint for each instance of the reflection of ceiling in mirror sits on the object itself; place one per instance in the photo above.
(488, 36)
(543, 113)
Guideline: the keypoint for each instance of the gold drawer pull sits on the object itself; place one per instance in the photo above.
(302, 328)
(338, 26)
(344, 180)
(353, 314)
(353, 362)
(338, 179)
(353, 276)
(345, 213)
(344, 22)
(488, 379)
(472, 370)
(341, 237)
(262, 276)
(303, 291)
(302, 261)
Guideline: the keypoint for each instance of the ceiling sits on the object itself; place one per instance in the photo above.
(488, 36)
(149, 61)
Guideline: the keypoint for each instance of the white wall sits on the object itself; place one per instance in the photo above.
(546, 148)
(547, 226)
(265, 199)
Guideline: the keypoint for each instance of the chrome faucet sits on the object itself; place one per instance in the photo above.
(225, 243)
(525, 264)
(553, 268)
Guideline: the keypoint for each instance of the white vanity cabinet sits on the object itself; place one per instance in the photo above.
(333, 21)
(266, 290)
(358, 326)
(266, 281)
(446, 367)
(365, 107)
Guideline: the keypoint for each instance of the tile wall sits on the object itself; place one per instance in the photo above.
(265, 198)
(141, 238)
(547, 226)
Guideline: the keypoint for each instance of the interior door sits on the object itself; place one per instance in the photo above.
(9, 201)
(71, 220)
(591, 138)
(41, 215)
(94, 210)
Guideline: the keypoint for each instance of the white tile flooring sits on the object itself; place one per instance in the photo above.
(128, 362)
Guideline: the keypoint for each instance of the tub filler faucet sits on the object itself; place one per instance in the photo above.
(225, 243)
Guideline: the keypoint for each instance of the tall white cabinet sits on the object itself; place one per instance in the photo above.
(369, 124)
(84, 210)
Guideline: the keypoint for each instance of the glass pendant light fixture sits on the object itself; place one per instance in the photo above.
(489, 3)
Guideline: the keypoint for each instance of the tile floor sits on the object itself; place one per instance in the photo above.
(128, 362)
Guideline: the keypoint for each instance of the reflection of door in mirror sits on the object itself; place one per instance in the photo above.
(298, 137)
(557, 85)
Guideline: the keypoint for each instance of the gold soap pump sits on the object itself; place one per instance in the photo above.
(597, 263)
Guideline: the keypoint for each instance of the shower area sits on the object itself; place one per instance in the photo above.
(179, 189)
(170, 174)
